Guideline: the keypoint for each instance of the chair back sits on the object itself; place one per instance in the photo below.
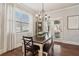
(28, 42)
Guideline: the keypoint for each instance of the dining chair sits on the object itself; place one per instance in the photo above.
(47, 47)
(29, 46)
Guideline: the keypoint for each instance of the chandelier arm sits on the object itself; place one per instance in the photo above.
(42, 15)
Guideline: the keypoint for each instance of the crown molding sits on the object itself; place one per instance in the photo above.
(25, 8)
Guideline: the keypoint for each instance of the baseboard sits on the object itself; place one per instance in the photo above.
(67, 42)
(18, 45)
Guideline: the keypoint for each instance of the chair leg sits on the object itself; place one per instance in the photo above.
(34, 53)
(25, 53)
(45, 53)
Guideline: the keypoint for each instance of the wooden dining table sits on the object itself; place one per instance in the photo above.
(40, 42)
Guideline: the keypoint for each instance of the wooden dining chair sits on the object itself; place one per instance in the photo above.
(47, 47)
(29, 46)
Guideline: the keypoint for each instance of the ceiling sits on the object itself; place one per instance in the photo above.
(49, 6)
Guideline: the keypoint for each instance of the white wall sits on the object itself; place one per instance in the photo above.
(70, 36)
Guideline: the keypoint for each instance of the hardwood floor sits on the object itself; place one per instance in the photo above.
(66, 49)
(15, 52)
(60, 49)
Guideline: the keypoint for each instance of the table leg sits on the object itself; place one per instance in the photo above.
(41, 50)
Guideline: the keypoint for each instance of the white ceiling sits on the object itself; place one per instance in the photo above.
(49, 6)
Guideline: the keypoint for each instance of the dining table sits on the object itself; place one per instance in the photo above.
(40, 42)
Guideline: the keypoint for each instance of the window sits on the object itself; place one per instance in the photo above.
(73, 22)
(22, 22)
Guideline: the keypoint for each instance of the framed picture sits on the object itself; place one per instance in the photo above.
(73, 22)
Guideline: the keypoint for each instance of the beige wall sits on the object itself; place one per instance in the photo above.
(0, 24)
(1, 29)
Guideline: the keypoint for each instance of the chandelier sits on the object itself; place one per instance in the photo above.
(44, 19)
(42, 14)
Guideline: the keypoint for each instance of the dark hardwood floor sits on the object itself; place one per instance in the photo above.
(60, 49)
(14, 52)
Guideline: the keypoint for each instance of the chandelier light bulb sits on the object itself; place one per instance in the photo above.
(36, 15)
(40, 17)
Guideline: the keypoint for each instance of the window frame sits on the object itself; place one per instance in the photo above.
(22, 22)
